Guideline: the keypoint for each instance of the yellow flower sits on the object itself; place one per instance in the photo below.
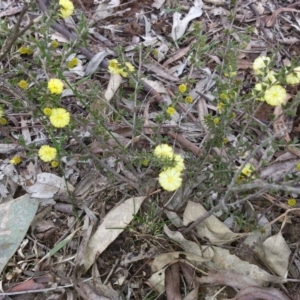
(23, 84)
(55, 86)
(54, 164)
(73, 63)
(223, 96)
(67, 8)
(171, 110)
(47, 111)
(292, 202)
(113, 66)
(15, 160)
(270, 77)
(3, 121)
(129, 66)
(220, 106)
(298, 167)
(182, 88)
(145, 162)
(216, 121)
(248, 169)
(188, 99)
(54, 44)
(233, 115)
(163, 150)
(179, 162)
(294, 77)
(59, 117)
(170, 179)
(225, 140)
(260, 63)
(47, 153)
(25, 51)
(275, 95)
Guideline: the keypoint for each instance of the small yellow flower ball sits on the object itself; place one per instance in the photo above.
(54, 164)
(225, 140)
(73, 63)
(170, 179)
(294, 77)
(260, 64)
(129, 66)
(178, 162)
(247, 170)
(25, 51)
(15, 160)
(216, 120)
(67, 8)
(163, 150)
(171, 110)
(23, 84)
(292, 202)
(182, 88)
(3, 121)
(54, 44)
(188, 99)
(47, 111)
(298, 167)
(59, 117)
(220, 106)
(47, 153)
(55, 86)
(275, 95)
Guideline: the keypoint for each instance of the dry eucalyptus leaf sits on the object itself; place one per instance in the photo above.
(224, 260)
(111, 227)
(212, 229)
(188, 246)
(254, 293)
(179, 26)
(276, 254)
(94, 63)
(113, 85)
(229, 278)
(157, 280)
(48, 185)
(165, 259)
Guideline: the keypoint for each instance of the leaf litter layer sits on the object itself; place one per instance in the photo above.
(136, 75)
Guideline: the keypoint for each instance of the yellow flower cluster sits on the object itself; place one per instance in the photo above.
(292, 202)
(115, 68)
(248, 170)
(47, 153)
(171, 110)
(23, 84)
(25, 51)
(182, 88)
(169, 178)
(54, 44)
(274, 94)
(294, 77)
(188, 99)
(73, 63)
(3, 121)
(66, 8)
(55, 86)
(59, 117)
(15, 160)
